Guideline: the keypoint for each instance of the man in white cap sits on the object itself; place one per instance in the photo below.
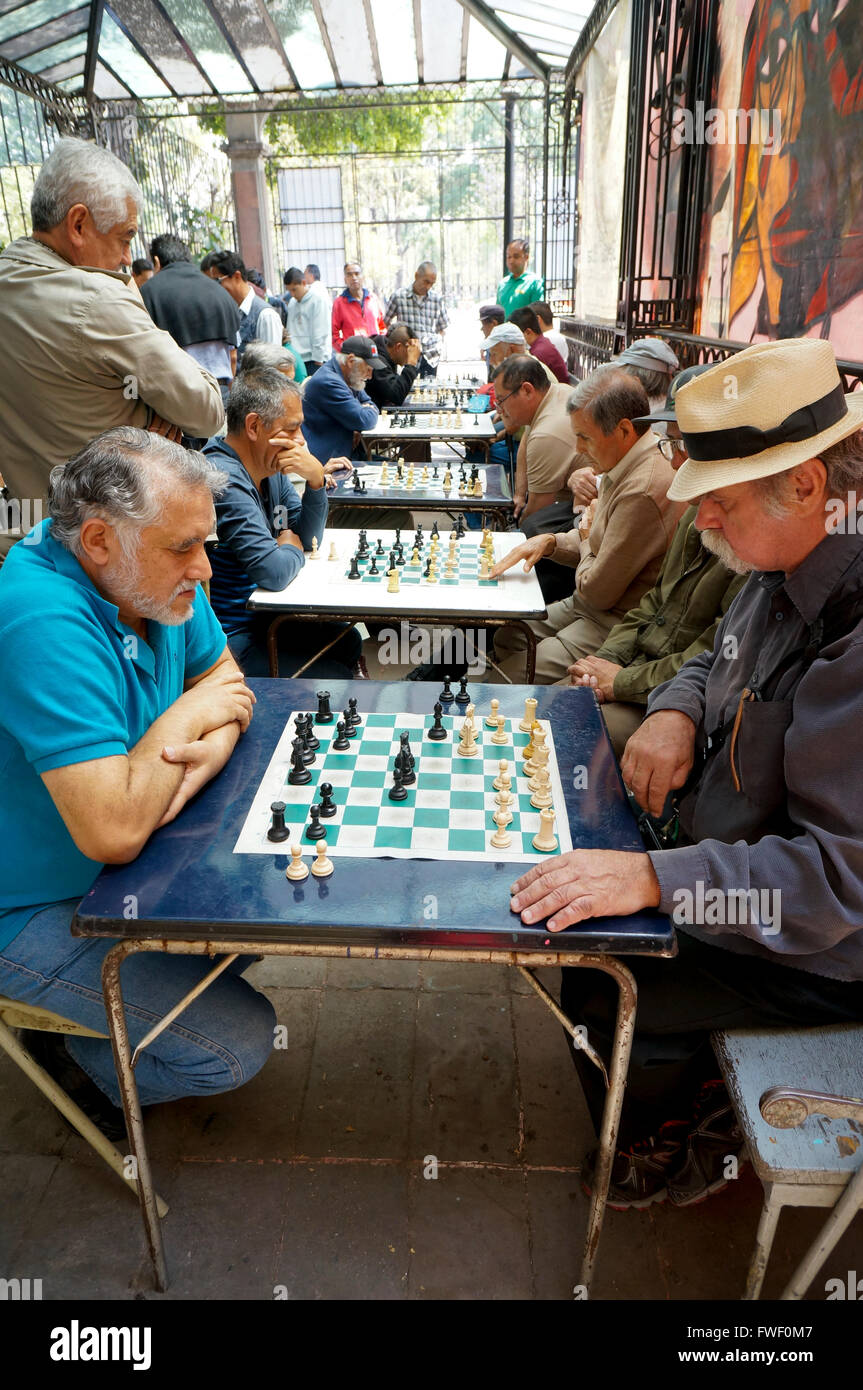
(756, 738)
(654, 363)
(507, 340)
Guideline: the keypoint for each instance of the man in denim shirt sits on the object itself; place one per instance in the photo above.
(264, 527)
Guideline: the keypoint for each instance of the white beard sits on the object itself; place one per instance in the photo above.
(716, 543)
(124, 586)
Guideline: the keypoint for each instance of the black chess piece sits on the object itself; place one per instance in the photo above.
(397, 791)
(299, 774)
(308, 752)
(427, 570)
(373, 569)
(314, 830)
(446, 696)
(328, 806)
(354, 571)
(437, 730)
(355, 718)
(434, 480)
(356, 480)
(362, 485)
(398, 539)
(341, 742)
(434, 529)
(363, 546)
(278, 831)
(324, 714)
(350, 731)
(400, 554)
(462, 698)
(408, 760)
(311, 740)
(380, 547)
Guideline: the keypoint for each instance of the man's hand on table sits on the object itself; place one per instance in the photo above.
(294, 457)
(658, 758)
(219, 699)
(530, 551)
(335, 470)
(203, 760)
(598, 674)
(585, 883)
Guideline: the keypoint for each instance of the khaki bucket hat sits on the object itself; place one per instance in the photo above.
(760, 412)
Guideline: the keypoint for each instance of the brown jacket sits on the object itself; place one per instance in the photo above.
(631, 531)
(81, 355)
(548, 449)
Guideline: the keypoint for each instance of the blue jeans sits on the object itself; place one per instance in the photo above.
(221, 1041)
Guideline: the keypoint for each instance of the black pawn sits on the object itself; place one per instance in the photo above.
(446, 696)
(380, 550)
(324, 714)
(437, 730)
(462, 698)
(341, 741)
(362, 485)
(299, 774)
(314, 830)
(350, 731)
(397, 791)
(278, 831)
(355, 718)
(373, 568)
(328, 806)
(434, 480)
(398, 535)
(311, 741)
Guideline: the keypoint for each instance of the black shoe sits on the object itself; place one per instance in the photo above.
(639, 1174)
(714, 1137)
(49, 1051)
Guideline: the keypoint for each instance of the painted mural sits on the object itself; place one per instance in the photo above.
(783, 252)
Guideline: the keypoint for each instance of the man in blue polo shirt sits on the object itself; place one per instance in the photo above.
(119, 700)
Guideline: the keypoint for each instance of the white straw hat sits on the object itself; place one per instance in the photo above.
(760, 412)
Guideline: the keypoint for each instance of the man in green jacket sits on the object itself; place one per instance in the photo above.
(675, 620)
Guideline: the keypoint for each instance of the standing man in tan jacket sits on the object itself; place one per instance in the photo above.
(81, 352)
(619, 545)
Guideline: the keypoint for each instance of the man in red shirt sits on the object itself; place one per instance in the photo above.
(356, 310)
(538, 345)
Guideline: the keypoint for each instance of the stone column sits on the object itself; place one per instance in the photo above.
(246, 150)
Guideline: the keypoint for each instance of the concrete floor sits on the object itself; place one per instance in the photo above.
(311, 1179)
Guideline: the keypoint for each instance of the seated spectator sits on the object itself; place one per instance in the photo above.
(654, 363)
(258, 321)
(546, 320)
(140, 705)
(308, 321)
(264, 527)
(281, 358)
(548, 447)
(356, 311)
(538, 344)
(676, 620)
(618, 548)
(142, 271)
(336, 406)
(490, 315)
(192, 308)
(755, 737)
(387, 386)
(507, 340)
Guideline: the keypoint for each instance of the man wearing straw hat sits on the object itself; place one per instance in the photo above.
(756, 739)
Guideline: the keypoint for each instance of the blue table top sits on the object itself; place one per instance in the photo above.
(497, 495)
(188, 884)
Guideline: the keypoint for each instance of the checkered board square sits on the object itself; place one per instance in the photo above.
(465, 569)
(429, 486)
(449, 810)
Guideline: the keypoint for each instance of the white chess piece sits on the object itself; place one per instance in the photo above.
(491, 719)
(545, 840)
(297, 870)
(526, 724)
(322, 866)
(502, 781)
(501, 839)
(500, 736)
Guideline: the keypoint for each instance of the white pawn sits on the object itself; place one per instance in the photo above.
(545, 840)
(467, 747)
(297, 869)
(501, 839)
(334, 554)
(323, 867)
(542, 790)
(491, 719)
(500, 736)
(504, 801)
(503, 781)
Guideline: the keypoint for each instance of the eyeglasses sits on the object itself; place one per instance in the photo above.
(668, 447)
(501, 400)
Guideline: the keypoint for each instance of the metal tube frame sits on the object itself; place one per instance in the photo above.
(525, 961)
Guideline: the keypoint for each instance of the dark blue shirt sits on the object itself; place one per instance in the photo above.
(248, 557)
(332, 410)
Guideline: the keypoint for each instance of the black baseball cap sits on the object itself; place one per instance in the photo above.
(492, 313)
(359, 346)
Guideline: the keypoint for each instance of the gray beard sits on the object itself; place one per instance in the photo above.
(124, 586)
(716, 543)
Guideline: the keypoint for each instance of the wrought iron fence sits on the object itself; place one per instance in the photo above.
(32, 116)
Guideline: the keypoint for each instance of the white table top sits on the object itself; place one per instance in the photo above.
(472, 427)
(322, 585)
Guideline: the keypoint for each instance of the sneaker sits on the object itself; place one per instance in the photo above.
(49, 1051)
(639, 1174)
(714, 1137)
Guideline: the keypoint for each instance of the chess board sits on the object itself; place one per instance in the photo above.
(465, 568)
(449, 810)
(424, 480)
(472, 427)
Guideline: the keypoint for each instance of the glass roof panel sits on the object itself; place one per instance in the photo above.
(246, 21)
(72, 69)
(346, 25)
(31, 16)
(566, 16)
(106, 86)
(47, 35)
(394, 28)
(161, 43)
(554, 60)
(532, 30)
(127, 62)
(201, 33)
(441, 40)
(69, 48)
(296, 22)
(485, 55)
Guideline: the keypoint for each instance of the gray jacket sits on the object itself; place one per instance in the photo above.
(779, 803)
